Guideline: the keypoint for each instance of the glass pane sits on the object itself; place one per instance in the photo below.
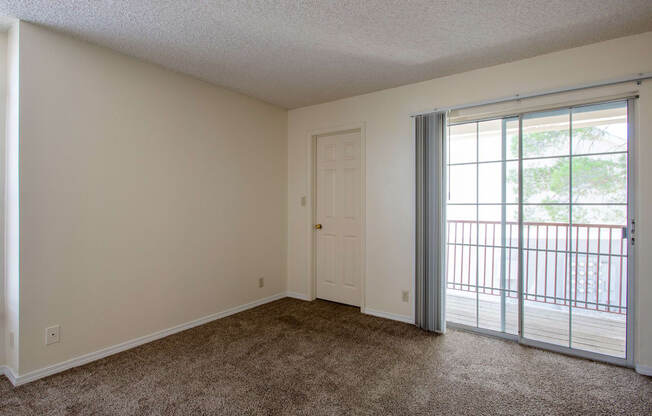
(511, 137)
(545, 213)
(546, 273)
(600, 214)
(490, 138)
(490, 253)
(599, 278)
(546, 134)
(600, 179)
(599, 288)
(599, 266)
(455, 213)
(546, 322)
(597, 237)
(545, 260)
(489, 260)
(462, 183)
(489, 306)
(601, 332)
(489, 226)
(462, 142)
(461, 285)
(511, 176)
(490, 213)
(461, 305)
(511, 313)
(600, 128)
(512, 214)
(490, 182)
(546, 180)
(462, 227)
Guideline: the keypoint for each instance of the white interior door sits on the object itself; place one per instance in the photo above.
(339, 213)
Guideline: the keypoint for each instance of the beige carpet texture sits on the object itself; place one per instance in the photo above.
(291, 357)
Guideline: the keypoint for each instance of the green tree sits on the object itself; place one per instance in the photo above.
(595, 178)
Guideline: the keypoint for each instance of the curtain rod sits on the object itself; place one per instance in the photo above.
(638, 78)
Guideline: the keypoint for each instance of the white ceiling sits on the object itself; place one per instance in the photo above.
(295, 53)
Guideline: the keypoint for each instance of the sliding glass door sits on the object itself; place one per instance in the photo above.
(482, 225)
(537, 230)
(545, 191)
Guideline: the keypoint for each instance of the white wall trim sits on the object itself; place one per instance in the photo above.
(18, 380)
(105, 352)
(300, 296)
(387, 315)
(6, 371)
(645, 370)
(366, 311)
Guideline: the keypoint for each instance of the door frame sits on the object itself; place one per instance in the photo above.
(311, 198)
(630, 358)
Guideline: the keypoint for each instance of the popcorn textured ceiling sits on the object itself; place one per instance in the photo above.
(296, 53)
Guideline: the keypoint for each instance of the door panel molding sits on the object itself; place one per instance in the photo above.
(311, 202)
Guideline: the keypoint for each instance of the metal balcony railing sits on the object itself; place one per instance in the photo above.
(585, 267)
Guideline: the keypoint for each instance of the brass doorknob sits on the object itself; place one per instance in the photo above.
(317, 226)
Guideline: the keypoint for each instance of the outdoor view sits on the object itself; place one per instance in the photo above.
(574, 196)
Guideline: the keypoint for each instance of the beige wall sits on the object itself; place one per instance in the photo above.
(147, 198)
(3, 101)
(10, 179)
(390, 163)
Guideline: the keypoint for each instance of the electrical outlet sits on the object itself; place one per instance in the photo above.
(52, 335)
(11, 339)
(261, 282)
(406, 296)
(303, 201)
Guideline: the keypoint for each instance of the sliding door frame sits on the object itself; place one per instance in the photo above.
(628, 361)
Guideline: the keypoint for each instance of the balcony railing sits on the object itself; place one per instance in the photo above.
(585, 267)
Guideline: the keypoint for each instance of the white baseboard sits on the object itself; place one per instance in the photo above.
(300, 296)
(644, 369)
(380, 314)
(18, 380)
(387, 315)
(6, 371)
(114, 349)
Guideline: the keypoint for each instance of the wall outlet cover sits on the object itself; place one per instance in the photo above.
(52, 335)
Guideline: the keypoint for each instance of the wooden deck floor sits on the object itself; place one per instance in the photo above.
(594, 331)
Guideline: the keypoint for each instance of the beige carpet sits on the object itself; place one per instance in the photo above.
(318, 358)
